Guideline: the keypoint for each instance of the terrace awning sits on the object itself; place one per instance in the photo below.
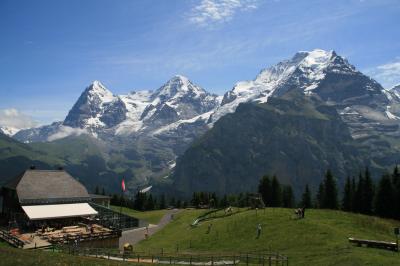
(40, 212)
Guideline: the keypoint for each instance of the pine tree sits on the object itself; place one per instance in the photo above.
(396, 192)
(162, 205)
(140, 201)
(384, 197)
(358, 203)
(353, 194)
(96, 191)
(320, 196)
(103, 192)
(224, 201)
(306, 198)
(264, 188)
(195, 199)
(287, 197)
(241, 200)
(276, 193)
(347, 196)
(172, 202)
(330, 198)
(149, 203)
(368, 193)
(213, 200)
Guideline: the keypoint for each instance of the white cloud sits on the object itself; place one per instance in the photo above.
(65, 131)
(387, 74)
(217, 11)
(15, 119)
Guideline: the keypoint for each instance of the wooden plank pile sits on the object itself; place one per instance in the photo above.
(374, 243)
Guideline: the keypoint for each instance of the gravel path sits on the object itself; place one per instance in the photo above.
(136, 235)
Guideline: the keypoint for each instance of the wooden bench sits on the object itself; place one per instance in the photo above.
(374, 243)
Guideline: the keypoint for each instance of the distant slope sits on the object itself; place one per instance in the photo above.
(16, 157)
(296, 137)
(319, 239)
(80, 156)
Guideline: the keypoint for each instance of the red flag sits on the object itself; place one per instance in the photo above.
(123, 185)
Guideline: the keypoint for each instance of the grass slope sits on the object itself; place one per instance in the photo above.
(319, 239)
(12, 256)
(153, 217)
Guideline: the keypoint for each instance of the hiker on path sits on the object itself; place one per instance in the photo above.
(258, 231)
(209, 228)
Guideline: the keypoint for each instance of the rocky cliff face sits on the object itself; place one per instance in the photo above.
(361, 102)
(96, 108)
(297, 139)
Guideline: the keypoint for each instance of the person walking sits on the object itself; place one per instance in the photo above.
(258, 231)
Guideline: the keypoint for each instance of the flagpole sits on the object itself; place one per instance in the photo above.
(120, 205)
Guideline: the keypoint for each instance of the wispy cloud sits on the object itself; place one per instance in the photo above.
(13, 118)
(210, 12)
(387, 74)
(65, 131)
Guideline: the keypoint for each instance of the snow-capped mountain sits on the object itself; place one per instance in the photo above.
(360, 100)
(147, 130)
(96, 108)
(180, 105)
(9, 131)
(393, 109)
(101, 113)
(304, 71)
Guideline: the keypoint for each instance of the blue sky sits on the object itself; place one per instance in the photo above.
(51, 50)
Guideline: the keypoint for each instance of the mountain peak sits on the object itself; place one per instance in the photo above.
(395, 88)
(179, 78)
(96, 88)
(177, 86)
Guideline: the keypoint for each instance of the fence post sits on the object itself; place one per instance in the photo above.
(270, 261)
(234, 260)
(212, 260)
(247, 259)
(170, 260)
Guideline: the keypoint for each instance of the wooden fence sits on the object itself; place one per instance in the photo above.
(267, 259)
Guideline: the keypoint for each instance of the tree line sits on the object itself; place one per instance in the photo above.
(275, 194)
(360, 195)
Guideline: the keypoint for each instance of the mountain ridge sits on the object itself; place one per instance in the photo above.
(149, 130)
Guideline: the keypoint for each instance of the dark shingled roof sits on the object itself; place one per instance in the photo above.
(97, 196)
(48, 186)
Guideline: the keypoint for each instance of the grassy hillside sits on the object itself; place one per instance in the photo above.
(12, 256)
(319, 239)
(152, 217)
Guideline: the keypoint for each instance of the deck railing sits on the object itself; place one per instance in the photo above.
(13, 240)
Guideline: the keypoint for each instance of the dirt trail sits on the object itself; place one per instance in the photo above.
(136, 235)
